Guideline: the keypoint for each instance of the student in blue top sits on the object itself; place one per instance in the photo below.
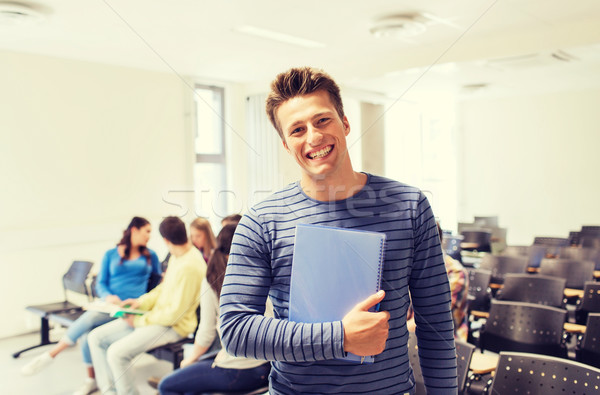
(124, 274)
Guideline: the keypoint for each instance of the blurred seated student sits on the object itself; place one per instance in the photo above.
(202, 236)
(459, 287)
(230, 219)
(124, 274)
(170, 315)
(223, 372)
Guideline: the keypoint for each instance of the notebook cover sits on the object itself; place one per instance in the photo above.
(333, 269)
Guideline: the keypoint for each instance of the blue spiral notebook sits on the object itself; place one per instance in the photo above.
(332, 270)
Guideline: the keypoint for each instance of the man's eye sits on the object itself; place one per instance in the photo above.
(323, 120)
(296, 130)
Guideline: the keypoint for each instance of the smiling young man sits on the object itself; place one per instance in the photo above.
(306, 109)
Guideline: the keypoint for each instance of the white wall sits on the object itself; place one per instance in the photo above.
(83, 148)
(420, 139)
(532, 160)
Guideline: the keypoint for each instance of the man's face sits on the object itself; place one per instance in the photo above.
(314, 134)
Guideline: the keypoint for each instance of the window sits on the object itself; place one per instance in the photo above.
(210, 180)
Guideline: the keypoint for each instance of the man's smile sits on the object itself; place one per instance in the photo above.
(321, 153)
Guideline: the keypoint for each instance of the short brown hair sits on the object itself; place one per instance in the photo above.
(173, 229)
(297, 82)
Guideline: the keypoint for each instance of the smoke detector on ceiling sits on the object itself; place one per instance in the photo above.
(12, 13)
(530, 61)
(399, 26)
(474, 88)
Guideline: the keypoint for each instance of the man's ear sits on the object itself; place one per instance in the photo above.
(285, 145)
(346, 125)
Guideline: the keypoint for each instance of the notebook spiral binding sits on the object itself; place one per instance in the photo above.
(381, 258)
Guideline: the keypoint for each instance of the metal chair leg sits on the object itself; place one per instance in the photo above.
(44, 338)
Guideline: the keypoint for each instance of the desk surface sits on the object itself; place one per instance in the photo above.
(483, 363)
(570, 293)
(574, 328)
(569, 327)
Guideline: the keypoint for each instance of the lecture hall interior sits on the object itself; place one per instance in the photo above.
(114, 109)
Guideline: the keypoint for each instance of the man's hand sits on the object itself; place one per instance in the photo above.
(129, 319)
(114, 299)
(131, 303)
(365, 333)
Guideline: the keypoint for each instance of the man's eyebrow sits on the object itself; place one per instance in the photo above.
(322, 113)
(298, 122)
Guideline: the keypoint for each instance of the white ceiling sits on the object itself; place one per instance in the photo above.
(197, 38)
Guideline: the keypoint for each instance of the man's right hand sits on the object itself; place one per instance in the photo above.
(365, 332)
(130, 303)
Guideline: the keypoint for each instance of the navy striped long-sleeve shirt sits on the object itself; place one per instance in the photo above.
(306, 356)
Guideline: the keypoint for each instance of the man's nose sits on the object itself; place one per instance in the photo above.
(314, 136)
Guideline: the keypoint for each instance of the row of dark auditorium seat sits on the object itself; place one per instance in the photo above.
(537, 356)
(527, 314)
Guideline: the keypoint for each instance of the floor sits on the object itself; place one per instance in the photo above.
(65, 374)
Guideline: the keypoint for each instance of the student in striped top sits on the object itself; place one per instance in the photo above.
(306, 109)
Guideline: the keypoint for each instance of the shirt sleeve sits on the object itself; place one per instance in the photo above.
(156, 266)
(245, 331)
(430, 295)
(148, 299)
(102, 281)
(209, 304)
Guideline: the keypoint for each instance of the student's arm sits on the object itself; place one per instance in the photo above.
(207, 330)
(102, 281)
(146, 301)
(155, 263)
(430, 295)
(244, 329)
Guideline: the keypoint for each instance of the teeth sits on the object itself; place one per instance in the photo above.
(321, 153)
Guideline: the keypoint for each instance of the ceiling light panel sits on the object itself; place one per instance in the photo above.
(277, 36)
